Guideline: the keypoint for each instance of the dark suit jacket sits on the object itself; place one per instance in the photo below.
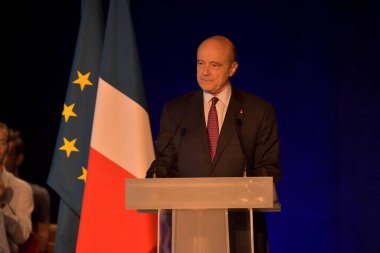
(182, 145)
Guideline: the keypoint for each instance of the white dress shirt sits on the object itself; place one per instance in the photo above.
(17, 209)
(4, 247)
(222, 105)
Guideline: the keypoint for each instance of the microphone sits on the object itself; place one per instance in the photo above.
(154, 174)
(238, 119)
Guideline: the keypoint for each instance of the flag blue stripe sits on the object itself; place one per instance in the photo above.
(120, 61)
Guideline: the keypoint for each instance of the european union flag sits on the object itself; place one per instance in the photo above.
(69, 166)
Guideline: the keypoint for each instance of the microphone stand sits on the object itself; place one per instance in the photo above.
(238, 119)
(163, 151)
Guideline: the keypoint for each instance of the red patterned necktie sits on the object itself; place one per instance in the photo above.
(213, 128)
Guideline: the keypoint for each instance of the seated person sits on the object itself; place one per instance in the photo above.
(41, 213)
(16, 200)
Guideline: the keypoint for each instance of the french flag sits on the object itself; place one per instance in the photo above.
(121, 147)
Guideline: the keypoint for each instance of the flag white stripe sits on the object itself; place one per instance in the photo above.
(121, 130)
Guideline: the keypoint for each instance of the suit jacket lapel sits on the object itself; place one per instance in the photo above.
(196, 121)
(229, 127)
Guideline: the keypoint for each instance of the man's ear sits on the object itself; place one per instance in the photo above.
(233, 69)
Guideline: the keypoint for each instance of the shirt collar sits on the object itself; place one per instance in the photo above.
(224, 96)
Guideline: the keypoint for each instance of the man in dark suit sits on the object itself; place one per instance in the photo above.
(199, 134)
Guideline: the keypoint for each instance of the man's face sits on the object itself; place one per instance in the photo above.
(3, 144)
(214, 65)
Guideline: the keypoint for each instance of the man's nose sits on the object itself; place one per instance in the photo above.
(206, 69)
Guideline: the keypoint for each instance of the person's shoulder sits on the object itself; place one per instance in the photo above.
(39, 191)
(37, 187)
(184, 99)
(19, 183)
(250, 98)
(23, 183)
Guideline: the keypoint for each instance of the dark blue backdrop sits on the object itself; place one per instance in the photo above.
(317, 62)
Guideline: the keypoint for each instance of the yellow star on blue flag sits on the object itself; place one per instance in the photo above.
(69, 146)
(84, 174)
(68, 111)
(83, 80)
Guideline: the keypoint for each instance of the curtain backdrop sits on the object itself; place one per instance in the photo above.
(317, 62)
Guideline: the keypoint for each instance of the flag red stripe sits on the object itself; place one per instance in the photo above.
(105, 204)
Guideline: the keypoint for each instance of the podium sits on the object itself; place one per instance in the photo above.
(194, 212)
